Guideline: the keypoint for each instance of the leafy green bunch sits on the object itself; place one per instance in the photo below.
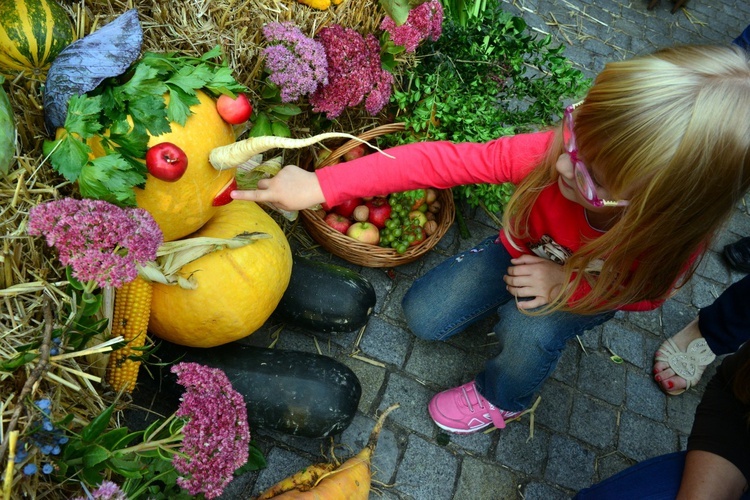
(121, 114)
(486, 79)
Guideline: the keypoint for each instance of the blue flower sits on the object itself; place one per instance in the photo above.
(29, 469)
(62, 439)
(47, 425)
(21, 454)
(47, 468)
(46, 449)
(44, 404)
(56, 450)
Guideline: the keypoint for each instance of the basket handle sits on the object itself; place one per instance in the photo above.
(365, 136)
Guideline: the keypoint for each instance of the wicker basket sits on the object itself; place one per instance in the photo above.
(364, 254)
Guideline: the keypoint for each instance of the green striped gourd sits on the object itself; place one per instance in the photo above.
(7, 132)
(32, 33)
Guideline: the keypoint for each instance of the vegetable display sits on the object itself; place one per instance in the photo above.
(326, 298)
(293, 392)
(326, 481)
(7, 132)
(32, 34)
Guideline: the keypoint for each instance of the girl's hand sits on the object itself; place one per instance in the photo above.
(291, 189)
(532, 276)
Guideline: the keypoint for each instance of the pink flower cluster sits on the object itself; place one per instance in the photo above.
(106, 491)
(296, 63)
(216, 432)
(355, 73)
(424, 21)
(100, 241)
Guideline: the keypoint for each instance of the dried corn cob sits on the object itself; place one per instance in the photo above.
(131, 314)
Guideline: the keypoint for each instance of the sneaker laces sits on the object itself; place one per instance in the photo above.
(493, 413)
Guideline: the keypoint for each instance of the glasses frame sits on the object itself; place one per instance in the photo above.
(584, 182)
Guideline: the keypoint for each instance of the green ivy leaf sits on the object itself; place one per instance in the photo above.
(94, 455)
(95, 428)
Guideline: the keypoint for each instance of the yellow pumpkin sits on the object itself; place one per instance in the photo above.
(237, 289)
(183, 206)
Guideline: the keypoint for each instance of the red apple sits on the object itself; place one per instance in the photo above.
(347, 207)
(419, 216)
(353, 154)
(234, 111)
(380, 211)
(166, 162)
(364, 232)
(225, 195)
(338, 222)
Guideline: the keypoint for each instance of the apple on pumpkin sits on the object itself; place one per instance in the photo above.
(364, 232)
(234, 111)
(166, 161)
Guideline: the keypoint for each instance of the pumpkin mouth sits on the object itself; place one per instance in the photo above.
(225, 195)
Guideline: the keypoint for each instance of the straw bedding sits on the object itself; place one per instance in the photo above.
(32, 298)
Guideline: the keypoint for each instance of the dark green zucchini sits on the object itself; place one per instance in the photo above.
(325, 298)
(294, 392)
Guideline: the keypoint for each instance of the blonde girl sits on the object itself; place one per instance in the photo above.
(612, 209)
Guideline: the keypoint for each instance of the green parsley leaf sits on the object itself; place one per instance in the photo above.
(67, 155)
(143, 83)
(180, 102)
(151, 112)
(190, 78)
(83, 116)
(109, 178)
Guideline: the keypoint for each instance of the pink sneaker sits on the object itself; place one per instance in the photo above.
(462, 410)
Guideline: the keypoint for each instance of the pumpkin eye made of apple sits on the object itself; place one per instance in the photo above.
(166, 161)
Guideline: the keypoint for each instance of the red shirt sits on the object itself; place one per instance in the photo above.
(557, 226)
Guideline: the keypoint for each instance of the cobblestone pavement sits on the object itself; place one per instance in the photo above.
(595, 417)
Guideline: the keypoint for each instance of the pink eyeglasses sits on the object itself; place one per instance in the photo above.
(584, 182)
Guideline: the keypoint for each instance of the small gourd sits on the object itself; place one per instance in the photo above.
(32, 34)
(320, 4)
(7, 132)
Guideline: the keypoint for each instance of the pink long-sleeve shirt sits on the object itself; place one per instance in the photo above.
(557, 227)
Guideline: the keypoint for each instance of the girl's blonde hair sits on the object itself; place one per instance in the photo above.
(673, 130)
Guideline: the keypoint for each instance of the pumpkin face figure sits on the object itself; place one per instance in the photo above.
(183, 206)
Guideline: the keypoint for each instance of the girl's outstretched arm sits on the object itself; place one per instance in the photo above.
(291, 189)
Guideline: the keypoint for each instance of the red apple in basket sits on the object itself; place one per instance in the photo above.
(346, 208)
(364, 232)
(357, 152)
(338, 222)
(234, 111)
(380, 211)
(166, 161)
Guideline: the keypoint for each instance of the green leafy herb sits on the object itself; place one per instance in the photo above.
(120, 114)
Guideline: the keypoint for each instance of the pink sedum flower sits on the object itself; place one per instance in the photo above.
(216, 432)
(106, 491)
(100, 241)
(355, 73)
(424, 21)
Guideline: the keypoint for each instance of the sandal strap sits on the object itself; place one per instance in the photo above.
(689, 364)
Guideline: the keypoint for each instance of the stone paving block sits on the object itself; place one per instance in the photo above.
(647, 320)
(554, 409)
(517, 451)
(427, 471)
(442, 365)
(542, 491)
(591, 339)
(371, 379)
(705, 292)
(681, 411)
(593, 422)
(285, 463)
(413, 398)
(643, 396)
(713, 266)
(676, 316)
(478, 443)
(600, 377)
(642, 438)
(567, 367)
(570, 464)
(392, 308)
(385, 342)
(625, 341)
(609, 465)
(381, 283)
(355, 437)
(479, 479)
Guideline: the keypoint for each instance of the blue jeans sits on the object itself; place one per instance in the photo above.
(469, 287)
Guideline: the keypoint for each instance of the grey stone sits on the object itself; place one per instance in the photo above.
(624, 341)
(542, 491)
(370, 378)
(516, 450)
(567, 366)
(644, 396)
(570, 464)
(610, 464)
(284, 464)
(593, 421)
(385, 342)
(385, 458)
(681, 411)
(479, 479)
(603, 378)
(641, 438)
(555, 407)
(441, 364)
(427, 470)
(413, 398)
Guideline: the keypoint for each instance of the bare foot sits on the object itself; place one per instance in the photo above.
(663, 374)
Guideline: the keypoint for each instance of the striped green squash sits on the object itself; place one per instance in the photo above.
(32, 33)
